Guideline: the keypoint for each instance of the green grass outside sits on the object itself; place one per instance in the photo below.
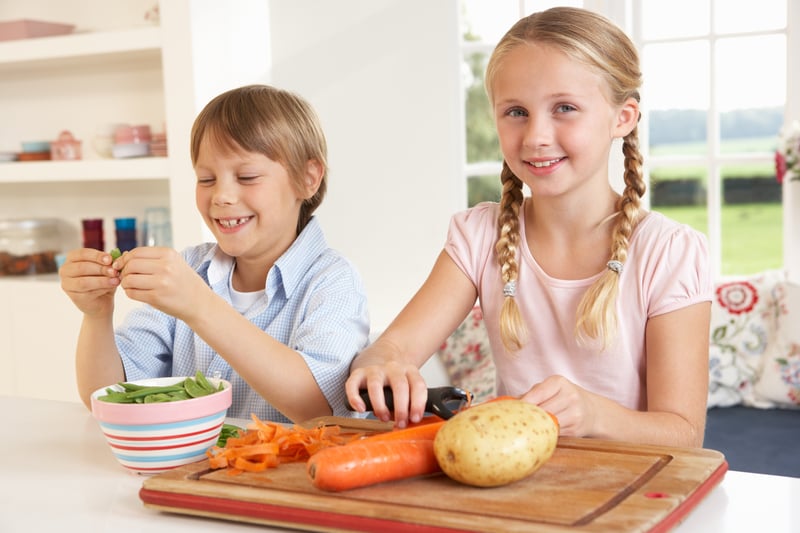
(752, 234)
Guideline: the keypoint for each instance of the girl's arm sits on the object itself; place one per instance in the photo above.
(418, 331)
(677, 388)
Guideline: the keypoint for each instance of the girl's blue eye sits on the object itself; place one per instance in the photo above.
(516, 112)
(564, 108)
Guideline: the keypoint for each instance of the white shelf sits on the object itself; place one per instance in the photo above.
(144, 168)
(146, 40)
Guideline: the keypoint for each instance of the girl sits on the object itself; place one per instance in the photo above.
(596, 310)
(269, 307)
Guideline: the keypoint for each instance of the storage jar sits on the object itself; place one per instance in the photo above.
(29, 246)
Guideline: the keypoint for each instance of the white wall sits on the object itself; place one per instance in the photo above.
(384, 77)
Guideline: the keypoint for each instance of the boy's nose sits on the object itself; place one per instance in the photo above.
(224, 194)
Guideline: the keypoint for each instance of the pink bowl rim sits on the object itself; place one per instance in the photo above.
(161, 413)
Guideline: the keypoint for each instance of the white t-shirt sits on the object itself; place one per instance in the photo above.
(667, 269)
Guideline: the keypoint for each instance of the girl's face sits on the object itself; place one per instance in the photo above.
(554, 120)
(248, 201)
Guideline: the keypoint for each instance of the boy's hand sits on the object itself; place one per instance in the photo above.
(160, 277)
(90, 281)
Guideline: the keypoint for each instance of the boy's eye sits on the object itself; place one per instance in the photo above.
(516, 112)
(247, 178)
(564, 108)
(205, 181)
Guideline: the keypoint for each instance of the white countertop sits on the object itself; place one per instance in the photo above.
(58, 474)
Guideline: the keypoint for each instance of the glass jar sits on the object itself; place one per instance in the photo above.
(29, 246)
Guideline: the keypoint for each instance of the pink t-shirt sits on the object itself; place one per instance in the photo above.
(667, 269)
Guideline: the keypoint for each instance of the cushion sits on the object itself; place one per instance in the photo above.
(467, 357)
(744, 315)
(778, 382)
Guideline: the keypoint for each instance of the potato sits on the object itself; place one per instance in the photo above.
(496, 443)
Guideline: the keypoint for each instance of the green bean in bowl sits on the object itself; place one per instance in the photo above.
(183, 390)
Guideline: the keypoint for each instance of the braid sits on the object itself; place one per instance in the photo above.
(512, 328)
(597, 318)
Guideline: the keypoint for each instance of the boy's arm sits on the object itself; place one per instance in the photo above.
(97, 360)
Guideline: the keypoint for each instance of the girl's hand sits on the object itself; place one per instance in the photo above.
(160, 277)
(90, 281)
(409, 391)
(574, 406)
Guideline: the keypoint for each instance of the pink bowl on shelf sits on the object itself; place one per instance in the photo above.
(155, 437)
(123, 151)
(26, 28)
(132, 134)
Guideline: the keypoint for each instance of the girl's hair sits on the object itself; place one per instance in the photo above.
(277, 123)
(597, 43)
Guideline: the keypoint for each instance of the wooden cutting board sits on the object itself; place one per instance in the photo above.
(587, 485)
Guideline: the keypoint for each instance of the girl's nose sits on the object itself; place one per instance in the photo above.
(538, 131)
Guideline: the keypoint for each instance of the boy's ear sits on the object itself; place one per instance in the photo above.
(313, 178)
(627, 118)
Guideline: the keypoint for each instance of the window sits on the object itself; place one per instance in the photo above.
(714, 94)
(713, 102)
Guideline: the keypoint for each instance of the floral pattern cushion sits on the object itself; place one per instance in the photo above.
(467, 358)
(744, 317)
(778, 383)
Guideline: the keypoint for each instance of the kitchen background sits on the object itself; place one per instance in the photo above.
(385, 78)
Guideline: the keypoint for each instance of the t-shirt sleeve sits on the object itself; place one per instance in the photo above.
(681, 271)
(470, 237)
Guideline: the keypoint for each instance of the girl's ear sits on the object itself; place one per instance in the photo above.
(627, 118)
(312, 178)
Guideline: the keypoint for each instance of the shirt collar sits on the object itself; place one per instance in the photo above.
(288, 271)
(293, 265)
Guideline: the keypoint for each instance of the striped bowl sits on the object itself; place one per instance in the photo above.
(154, 437)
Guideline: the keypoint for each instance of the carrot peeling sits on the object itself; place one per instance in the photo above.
(267, 444)
(364, 463)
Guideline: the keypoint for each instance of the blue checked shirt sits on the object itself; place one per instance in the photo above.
(314, 302)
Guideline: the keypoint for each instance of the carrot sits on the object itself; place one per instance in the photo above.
(360, 464)
(267, 444)
(425, 429)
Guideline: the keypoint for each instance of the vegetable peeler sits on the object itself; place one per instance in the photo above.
(442, 401)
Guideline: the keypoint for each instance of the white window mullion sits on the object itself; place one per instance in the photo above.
(714, 187)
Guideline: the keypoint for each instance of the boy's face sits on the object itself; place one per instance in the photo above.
(249, 203)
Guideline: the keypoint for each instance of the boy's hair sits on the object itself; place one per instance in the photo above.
(274, 122)
(600, 45)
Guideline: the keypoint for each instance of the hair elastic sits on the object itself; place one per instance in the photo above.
(615, 265)
(510, 288)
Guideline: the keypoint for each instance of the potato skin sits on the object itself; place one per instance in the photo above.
(496, 443)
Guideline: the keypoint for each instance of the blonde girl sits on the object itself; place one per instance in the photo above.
(596, 309)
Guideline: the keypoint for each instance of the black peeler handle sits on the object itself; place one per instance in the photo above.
(438, 400)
